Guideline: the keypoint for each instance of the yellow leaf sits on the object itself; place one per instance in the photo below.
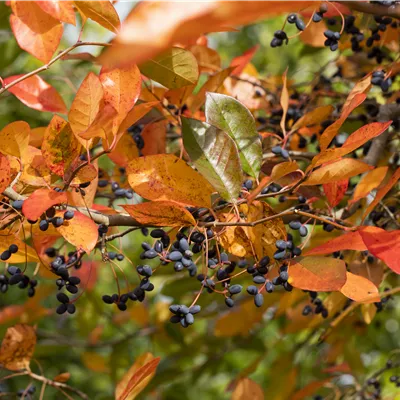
(103, 12)
(160, 213)
(95, 362)
(14, 139)
(284, 102)
(17, 347)
(360, 289)
(166, 177)
(314, 117)
(24, 253)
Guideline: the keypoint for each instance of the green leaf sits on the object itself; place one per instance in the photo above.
(215, 155)
(229, 115)
(174, 68)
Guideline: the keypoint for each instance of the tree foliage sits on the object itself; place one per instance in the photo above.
(186, 213)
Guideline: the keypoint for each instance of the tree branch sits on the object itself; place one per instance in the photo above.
(375, 9)
(51, 62)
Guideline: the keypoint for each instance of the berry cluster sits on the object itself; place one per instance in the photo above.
(17, 278)
(56, 221)
(65, 305)
(6, 254)
(183, 314)
(332, 39)
(136, 133)
(319, 307)
(378, 79)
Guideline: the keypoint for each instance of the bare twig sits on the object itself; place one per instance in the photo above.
(375, 9)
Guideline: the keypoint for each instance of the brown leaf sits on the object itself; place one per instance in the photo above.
(63, 377)
(247, 389)
(160, 213)
(166, 177)
(320, 274)
(137, 378)
(17, 347)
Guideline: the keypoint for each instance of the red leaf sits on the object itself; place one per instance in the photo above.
(35, 93)
(88, 274)
(321, 274)
(4, 173)
(384, 245)
(80, 231)
(348, 241)
(365, 133)
(335, 191)
(40, 201)
(240, 62)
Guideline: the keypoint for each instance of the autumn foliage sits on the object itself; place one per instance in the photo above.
(167, 187)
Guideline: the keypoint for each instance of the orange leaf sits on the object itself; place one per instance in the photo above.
(121, 90)
(247, 389)
(313, 35)
(320, 274)
(361, 87)
(36, 136)
(335, 191)
(35, 93)
(103, 12)
(382, 192)
(284, 102)
(138, 376)
(86, 174)
(62, 10)
(348, 241)
(208, 60)
(5, 173)
(80, 231)
(40, 201)
(86, 104)
(353, 142)
(241, 61)
(35, 31)
(384, 245)
(36, 172)
(314, 117)
(76, 198)
(125, 150)
(160, 213)
(337, 171)
(166, 177)
(63, 377)
(154, 136)
(331, 131)
(17, 347)
(14, 139)
(60, 147)
(283, 169)
(310, 389)
(88, 273)
(360, 289)
(24, 253)
(368, 182)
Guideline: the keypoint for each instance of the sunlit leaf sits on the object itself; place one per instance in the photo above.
(17, 347)
(174, 68)
(232, 117)
(14, 139)
(137, 378)
(284, 101)
(241, 61)
(360, 289)
(86, 104)
(370, 181)
(313, 35)
(103, 12)
(35, 31)
(35, 93)
(40, 201)
(160, 213)
(313, 117)
(80, 231)
(60, 147)
(62, 10)
(166, 177)
(215, 155)
(208, 59)
(320, 274)
(125, 150)
(382, 192)
(337, 171)
(4, 173)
